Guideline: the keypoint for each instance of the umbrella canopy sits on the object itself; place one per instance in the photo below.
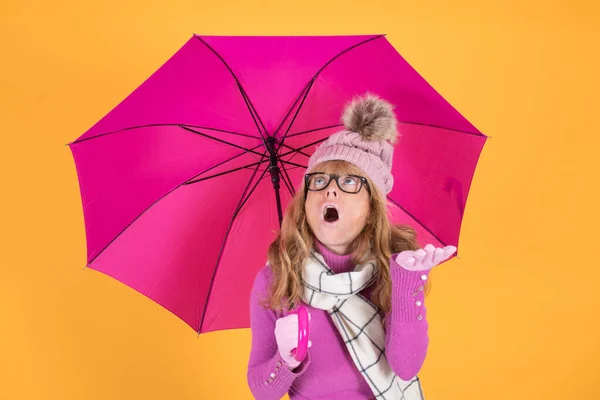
(183, 183)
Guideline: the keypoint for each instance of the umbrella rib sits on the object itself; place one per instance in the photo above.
(266, 176)
(416, 220)
(291, 163)
(287, 185)
(239, 209)
(402, 122)
(220, 140)
(302, 147)
(290, 186)
(130, 223)
(289, 169)
(306, 91)
(290, 159)
(296, 150)
(444, 128)
(345, 51)
(157, 125)
(221, 163)
(224, 131)
(153, 203)
(239, 85)
(212, 280)
(294, 105)
(314, 130)
(252, 112)
(224, 173)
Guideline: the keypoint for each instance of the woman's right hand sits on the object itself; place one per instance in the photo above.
(286, 335)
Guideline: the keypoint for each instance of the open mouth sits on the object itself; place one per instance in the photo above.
(330, 214)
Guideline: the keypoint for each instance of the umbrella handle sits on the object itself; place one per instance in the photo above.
(299, 353)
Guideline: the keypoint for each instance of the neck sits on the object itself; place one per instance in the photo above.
(337, 262)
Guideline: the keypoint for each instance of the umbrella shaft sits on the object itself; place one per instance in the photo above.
(275, 174)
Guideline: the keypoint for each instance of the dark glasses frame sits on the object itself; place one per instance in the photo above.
(335, 177)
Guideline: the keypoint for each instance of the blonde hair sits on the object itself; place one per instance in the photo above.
(290, 250)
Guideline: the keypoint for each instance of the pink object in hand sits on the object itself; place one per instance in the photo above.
(291, 335)
(299, 353)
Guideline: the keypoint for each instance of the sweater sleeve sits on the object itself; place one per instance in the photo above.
(268, 376)
(406, 325)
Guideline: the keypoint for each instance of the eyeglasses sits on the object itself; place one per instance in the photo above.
(318, 181)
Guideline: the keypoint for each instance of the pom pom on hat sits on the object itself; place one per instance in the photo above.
(371, 117)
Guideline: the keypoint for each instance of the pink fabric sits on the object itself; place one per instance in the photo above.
(163, 215)
(328, 372)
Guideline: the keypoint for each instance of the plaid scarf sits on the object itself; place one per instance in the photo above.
(359, 323)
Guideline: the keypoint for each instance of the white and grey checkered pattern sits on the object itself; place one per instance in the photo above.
(359, 323)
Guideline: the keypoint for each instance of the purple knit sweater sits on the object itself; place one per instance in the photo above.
(328, 371)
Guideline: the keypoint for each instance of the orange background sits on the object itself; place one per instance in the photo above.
(515, 318)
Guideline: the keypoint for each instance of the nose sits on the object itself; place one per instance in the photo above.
(331, 190)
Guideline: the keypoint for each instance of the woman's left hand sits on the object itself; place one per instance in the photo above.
(424, 259)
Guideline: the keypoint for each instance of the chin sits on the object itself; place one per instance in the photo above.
(333, 235)
(334, 241)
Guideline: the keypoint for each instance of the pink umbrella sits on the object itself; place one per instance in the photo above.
(174, 181)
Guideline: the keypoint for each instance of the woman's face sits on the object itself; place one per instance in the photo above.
(335, 217)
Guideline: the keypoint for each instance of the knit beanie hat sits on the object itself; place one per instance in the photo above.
(370, 130)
